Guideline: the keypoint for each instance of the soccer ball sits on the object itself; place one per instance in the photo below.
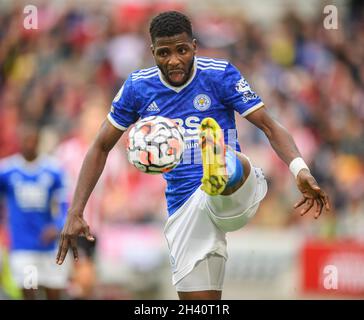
(155, 145)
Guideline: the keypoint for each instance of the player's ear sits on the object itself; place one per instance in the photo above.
(194, 45)
(152, 49)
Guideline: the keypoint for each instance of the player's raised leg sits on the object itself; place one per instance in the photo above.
(224, 170)
(234, 187)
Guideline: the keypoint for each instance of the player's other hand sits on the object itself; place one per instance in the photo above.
(312, 194)
(75, 226)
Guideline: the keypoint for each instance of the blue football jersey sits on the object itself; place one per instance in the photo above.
(30, 189)
(216, 89)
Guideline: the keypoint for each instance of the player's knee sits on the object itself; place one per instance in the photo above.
(244, 161)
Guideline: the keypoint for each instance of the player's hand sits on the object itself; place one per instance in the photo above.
(49, 234)
(312, 194)
(75, 226)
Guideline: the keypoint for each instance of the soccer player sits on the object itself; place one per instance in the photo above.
(205, 200)
(32, 186)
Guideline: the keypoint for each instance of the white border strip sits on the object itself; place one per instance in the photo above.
(115, 124)
(207, 60)
(252, 109)
(145, 76)
(207, 64)
(210, 68)
(144, 71)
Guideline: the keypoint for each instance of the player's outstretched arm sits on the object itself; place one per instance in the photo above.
(284, 145)
(91, 170)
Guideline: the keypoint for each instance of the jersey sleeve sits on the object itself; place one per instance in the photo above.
(123, 108)
(238, 94)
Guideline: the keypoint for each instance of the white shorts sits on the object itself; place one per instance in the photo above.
(208, 274)
(32, 269)
(196, 231)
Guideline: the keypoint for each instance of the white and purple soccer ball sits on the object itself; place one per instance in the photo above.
(155, 145)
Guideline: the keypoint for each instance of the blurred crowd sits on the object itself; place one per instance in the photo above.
(65, 74)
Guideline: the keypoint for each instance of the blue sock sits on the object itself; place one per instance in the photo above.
(235, 169)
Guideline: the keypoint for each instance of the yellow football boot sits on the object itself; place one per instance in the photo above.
(213, 150)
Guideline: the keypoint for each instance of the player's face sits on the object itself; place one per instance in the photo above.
(174, 57)
(28, 142)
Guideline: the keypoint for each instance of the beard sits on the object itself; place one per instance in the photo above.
(186, 77)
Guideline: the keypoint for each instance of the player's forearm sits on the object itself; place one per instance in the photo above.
(282, 143)
(91, 170)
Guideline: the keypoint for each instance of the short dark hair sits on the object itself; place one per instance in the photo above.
(169, 24)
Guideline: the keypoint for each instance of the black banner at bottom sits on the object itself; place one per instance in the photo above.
(174, 309)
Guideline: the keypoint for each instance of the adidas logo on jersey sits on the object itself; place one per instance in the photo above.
(153, 107)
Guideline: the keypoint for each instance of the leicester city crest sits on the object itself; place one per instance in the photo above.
(202, 102)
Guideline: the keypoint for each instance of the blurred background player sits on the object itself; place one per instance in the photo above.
(33, 186)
